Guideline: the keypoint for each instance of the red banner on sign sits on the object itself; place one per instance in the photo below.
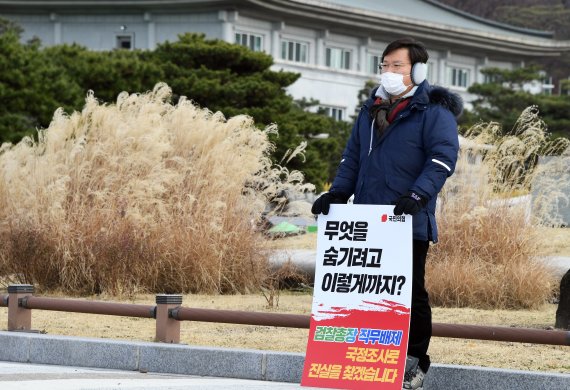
(358, 349)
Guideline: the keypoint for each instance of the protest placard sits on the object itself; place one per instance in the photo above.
(362, 297)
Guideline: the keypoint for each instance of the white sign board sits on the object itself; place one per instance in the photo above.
(362, 299)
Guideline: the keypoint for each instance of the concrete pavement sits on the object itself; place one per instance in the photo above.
(37, 361)
(25, 376)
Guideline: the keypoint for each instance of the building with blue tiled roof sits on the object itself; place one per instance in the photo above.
(335, 45)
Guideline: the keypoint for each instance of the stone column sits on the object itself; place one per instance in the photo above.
(56, 28)
(275, 39)
(320, 59)
(228, 19)
(362, 65)
(151, 31)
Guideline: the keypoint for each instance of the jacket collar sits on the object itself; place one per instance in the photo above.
(421, 96)
(427, 94)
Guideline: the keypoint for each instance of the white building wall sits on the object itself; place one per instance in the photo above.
(99, 32)
(168, 27)
(331, 88)
(36, 26)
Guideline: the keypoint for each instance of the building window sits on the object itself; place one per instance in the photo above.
(491, 79)
(459, 77)
(488, 79)
(124, 42)
(337, 58)
(547, 85)
(253, 42)
(294, 51)
(373, 62)
(337, 113)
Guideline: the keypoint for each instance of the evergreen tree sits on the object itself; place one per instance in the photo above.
(503, 98)
(223, 77)
(31, 87)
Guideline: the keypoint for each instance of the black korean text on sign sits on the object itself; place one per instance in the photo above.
(341, 282)
(353, 257)
(347, 230)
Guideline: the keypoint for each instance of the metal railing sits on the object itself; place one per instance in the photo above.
(89, 307)
(169, 314)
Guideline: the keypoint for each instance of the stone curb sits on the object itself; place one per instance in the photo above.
(235, 363)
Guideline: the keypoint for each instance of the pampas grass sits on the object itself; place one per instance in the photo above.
(489, 241)
(139, 196)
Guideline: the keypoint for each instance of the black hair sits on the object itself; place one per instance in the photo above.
(417, 51)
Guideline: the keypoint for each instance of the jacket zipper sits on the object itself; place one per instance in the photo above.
(400, 116)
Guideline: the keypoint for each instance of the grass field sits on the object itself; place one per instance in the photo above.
(558, 243)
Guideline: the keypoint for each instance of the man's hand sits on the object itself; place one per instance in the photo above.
(411, 203)
(323, 202)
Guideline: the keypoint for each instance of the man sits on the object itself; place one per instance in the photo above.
(403, 147)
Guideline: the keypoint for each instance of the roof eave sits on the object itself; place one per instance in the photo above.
(57, 5)
(347, 19)
(344, 18)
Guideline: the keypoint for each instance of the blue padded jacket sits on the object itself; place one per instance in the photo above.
(417, 152)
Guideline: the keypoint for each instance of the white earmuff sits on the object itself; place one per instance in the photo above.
(419, 73)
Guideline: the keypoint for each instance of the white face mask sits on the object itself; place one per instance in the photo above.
(393, 83)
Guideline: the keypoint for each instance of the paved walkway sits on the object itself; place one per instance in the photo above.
(304, 259)
(560, 264)
(197, 367)
(23, 376)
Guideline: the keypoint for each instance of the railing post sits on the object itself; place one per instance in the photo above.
(19, 318)
(167, 328)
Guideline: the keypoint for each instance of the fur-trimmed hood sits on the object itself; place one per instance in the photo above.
(444, 97)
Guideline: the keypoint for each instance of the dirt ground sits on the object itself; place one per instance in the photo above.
(450, 351)
(558, 242)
